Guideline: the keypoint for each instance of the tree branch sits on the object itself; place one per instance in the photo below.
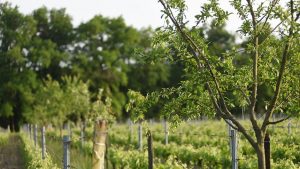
(267, 15)
(170, 14)
(278, 121)
(283, 101)
(245, 96)
(272, 31)
(214, 100)
(238, 126)
(297, 16)
(254, 72)
(231, 125)
(281, 72)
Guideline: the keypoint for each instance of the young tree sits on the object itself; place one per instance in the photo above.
(101, 113)
(77, 98)
(57, 103)
(274, 57)
(49, 106)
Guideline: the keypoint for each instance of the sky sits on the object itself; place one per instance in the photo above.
(138, 13)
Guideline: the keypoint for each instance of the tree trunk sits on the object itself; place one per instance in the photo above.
(150, 150)
(100, 131)
(267, 151)
(260, 152)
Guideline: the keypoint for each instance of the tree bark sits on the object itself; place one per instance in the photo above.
(260, 152)
(99, 147)
(150, 150)
(267, 151)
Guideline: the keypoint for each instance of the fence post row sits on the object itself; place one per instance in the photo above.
(234, 152)
(140, 136)
(43, 143)
(267, 151)
(66, 146)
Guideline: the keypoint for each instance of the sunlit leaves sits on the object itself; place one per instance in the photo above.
(240, 8)
(78, 96)
(102, 110)
(213, 10)
(136, 105)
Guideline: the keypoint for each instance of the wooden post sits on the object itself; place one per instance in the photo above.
(30, 128)
(150, 150)
(35, 135)
(234, 155)
(151, 122)
(229, 134)
(166, 131)
(8, 129)
(82, 133)
(289, 128)
(66, 146)
(140, 132)
(69, 129)
(229, 127)
(32, 131)
(130, 131)
(243, 115)
(99, 147)
(267, 151)
(43, 143)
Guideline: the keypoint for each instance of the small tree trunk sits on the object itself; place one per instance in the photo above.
(267, 151)
(150, 150)
(260, 155)
(99, 147)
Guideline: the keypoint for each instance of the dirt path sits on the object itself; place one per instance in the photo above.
(11, 155)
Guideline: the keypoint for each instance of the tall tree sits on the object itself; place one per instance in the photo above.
(101, 50)
(17, 79)
(53, 39)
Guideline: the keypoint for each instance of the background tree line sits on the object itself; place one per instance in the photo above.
(52, 71)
